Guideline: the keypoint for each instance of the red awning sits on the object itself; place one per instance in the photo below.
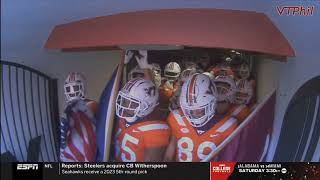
(207, 28)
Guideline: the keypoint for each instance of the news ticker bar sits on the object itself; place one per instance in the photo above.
(201, 171)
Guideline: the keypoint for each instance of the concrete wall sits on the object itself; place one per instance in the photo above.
(304, 35)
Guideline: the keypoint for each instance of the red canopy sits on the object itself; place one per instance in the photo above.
(207, 28)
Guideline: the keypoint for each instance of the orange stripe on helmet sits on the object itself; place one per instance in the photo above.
(71, 77)
(191, 89)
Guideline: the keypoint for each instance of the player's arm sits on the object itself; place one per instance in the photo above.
(147, 74)
(142, 60)
(154, 154)
(171, 149)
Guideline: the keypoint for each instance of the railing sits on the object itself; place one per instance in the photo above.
(29, 113)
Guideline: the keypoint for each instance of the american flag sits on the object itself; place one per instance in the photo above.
(106, 115)
(78, 138)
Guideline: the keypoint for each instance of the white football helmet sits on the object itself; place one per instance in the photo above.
(226, 88)
(244, 92)
(186, 74)
(172, 71)
(198, 99)
(75, 86)
(244, 71)
(136, 99)
(136, 72)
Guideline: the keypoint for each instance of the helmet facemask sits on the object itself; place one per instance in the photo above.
(199, 115)
(74, 90)
(243, 93)
(137, 99)
(241, 97)
(171, 76)
(223, 90)
(172, 71)
(226, 88)
(128, 107)
(198, 99)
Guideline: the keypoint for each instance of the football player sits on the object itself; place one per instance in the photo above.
(172, 71)
(226, 88)
(75, 88)
(141, 135)
(196, 129)
(174, 100)
(77, 142)
(224, 76)
(169, 83)
(226, 91)
(222, 69)
(245, 93)
(148, 71)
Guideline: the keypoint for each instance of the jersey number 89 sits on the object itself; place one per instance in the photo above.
(186, 147)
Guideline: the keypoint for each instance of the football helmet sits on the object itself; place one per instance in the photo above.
(75, 86)
(244, 92)
(244, 71)
(198, 99)
(226, 88)
(136, 99)
(172, 71)
(136, 72)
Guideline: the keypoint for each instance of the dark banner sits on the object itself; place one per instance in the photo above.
(141, 171)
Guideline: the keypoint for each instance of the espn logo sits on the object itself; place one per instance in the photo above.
(27, 166)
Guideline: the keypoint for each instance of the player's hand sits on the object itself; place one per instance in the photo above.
(142, 60)
(128, 57)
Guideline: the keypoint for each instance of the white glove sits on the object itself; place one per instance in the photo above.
(128, 56)
(142, 60)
